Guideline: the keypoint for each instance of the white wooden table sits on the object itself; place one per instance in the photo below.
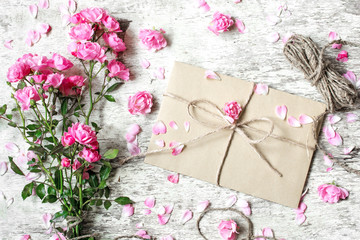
(248, 56)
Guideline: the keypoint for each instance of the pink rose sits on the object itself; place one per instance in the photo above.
(73, 48)
(118, 69)
(83, 134)
(227, 230)
(17, 72)
(152, 39)
(39, 78)
(140, 103)
(67, 139)
(58, 236)
(36, 63)
(72, 85)
(53, 80)
(25, 95)
(65, 162)
(91, 51)
(232, 110)
(114, 42)
(342, 56)
(60, 63)
(90, 155)
(81, 32)
(93, 14)
(220, 23)
(76, 18)
(331, 193)
(76, 165)
(111, 24)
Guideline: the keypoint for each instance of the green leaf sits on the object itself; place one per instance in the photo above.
(34, 169)
(51, 191)
(12, 124)
(40, 191)
(102, 184)
(99, 202)
(33, 126)
(59, 216)
(9, 116)
(49, 146)
(97, 128)
(107, 204)
(73, 203)
(49, 199)
(123, 200)
(107, 192)
(21, 85)
(38, 133)
(78, 107)
(57, 149)
(104, 172)
(64, 106)
(113, 87)
(3, 109)
(58, 179)
(110, 98)
(49, 139)
(37, 149)
(76, 114)
(14, 167)
(89, 191)
(27, 191)
(93, 179)
(111, 153)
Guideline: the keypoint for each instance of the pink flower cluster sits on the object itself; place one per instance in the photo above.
(220, 23)
(152, 39)
(331, 193)
(41, 73)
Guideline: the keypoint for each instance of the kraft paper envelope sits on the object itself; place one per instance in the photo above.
(243, 169)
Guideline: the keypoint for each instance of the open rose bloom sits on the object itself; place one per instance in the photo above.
(140, 103)
(228, 229)
(220, 23)
(232, 111)
(331, 193)
(152, 39)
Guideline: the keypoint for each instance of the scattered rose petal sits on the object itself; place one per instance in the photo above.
(31, 176)
(287, 36)
(231, 201)
(139, 225)
(268, 232)
(3, 168)
(342, 56)
(240, 26)
(133, 149)
(12, 147)
(44, 4)
(143, 234)
(146, 211)
(292, 121)
(7, 44)
(300, 218)
(169, 209)
(327, 161)
(168, 237)
(134, 129)
(46, 219)
(65, 20)
(349, 75)
(203, 5)
(33, 9)
(351, 117)
(305, 119)
(281, 111)
(273, 37)
(203, 205)
(336, 141)
(163, 219)
(150, 202)
(187, 126)
(246, 211)
(159, 73)
(72, 5)
(43, 28)
(187, 216)
(161, 210)
(333, 36)
(237, 1)
(9, 202)
(261, 89)
(329, 169)
(347, 150)
(173, 125)
(329, 131)
(242, 203)
(336, 46)
(145, 63)
(130, 138)
(128, 210)
(177, 149)
(159, 128)
(301, 208)
(174, 178)
(273, 20)
(160, 142)
(333, 118)
(32, 37)
(211, 75)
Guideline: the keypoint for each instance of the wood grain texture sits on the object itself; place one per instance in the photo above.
(248, 56)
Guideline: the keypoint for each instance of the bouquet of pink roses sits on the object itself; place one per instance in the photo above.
(65, 165)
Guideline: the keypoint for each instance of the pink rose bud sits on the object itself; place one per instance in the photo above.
(331, 193)
(18, 71)
(26, 95)
(90, 155)
(65, 162)
(60, 63)
(111, 24)
(67, 139)
(228, 230)
(114, 42)
(118, 69)
(81, 32)
(140, 103)
(152, 39)
(76, 165)
(220, 23)
(232, 110)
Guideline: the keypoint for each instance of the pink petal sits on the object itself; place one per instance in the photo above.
(168, 237)
(177, 150)
(305, 119)
(25, 237)
(273, 20)
(336, 141)
(292, 121)
(32, 176)
(43, 28)
(3, 168)
(242, 203)
(287, 36)
(349, 75)
(9, 202)
(43, 4)
(173, 125)
(7, 44)
(301, 208)
(174, 178)
(72, 6)
(348, 150)
(139, 225)
(12, 147)
(336, 46)
(231, 201)
(163, 219)
(205, 8)
(342, 56)
(146, 211)
(46, 219)
(160, 142)
(333, 118)
(261, 89)
(211, 75)
(327, 161)
(134, 129)
(130, 138)
(329, 169)
(329, 131)
(187, 126)
(240, 26)
(246, 211)
(159, 73)
(133, 149)
(273, 37)
(267, 232)
(128, 210)
(65, 19)
(187, 216)
(32, 37)
(144, 63)
(143, 234)
(281, 111)
(333, 36)
(300, 218)
(33, 9)
(159, 128)
(169, 209)
(203, 205)
(237, 1)
(150, 202)
(351, 117)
